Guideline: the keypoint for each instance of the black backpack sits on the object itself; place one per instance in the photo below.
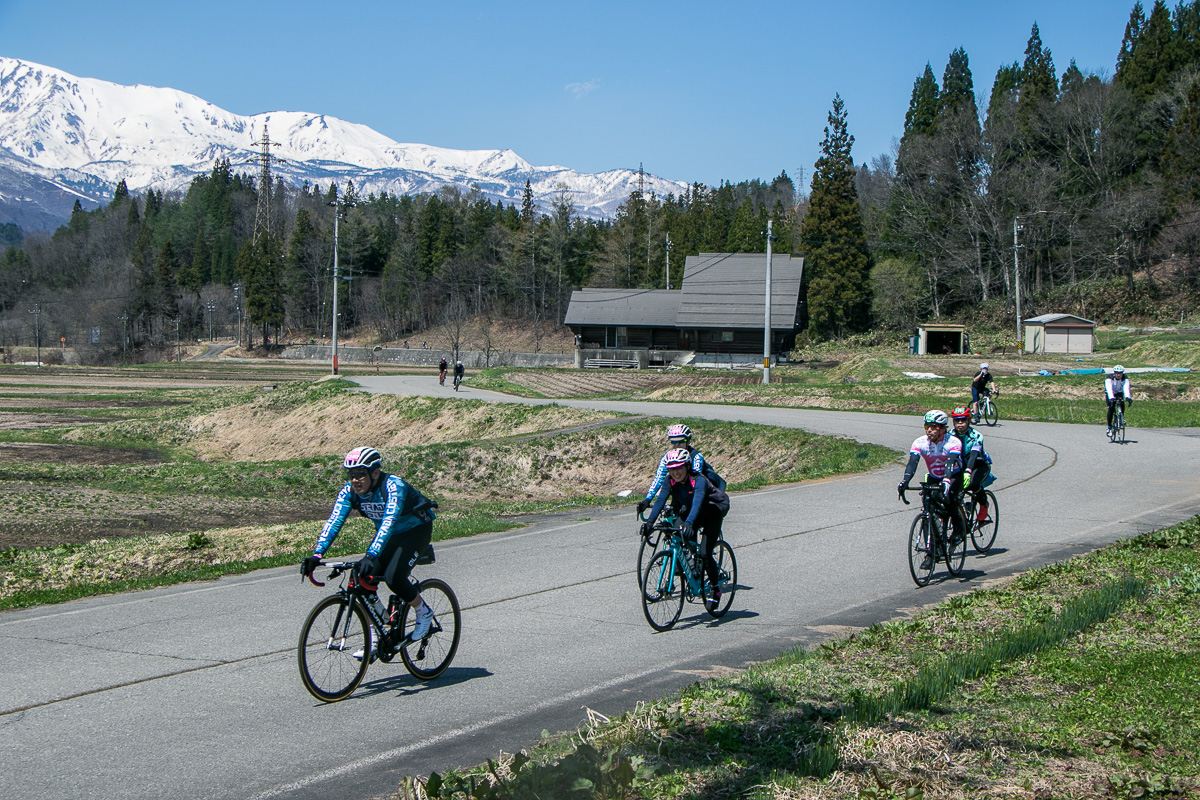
(712, 477)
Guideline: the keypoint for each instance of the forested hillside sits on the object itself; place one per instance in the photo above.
(1060, 185)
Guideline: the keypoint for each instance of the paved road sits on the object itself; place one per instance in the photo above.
(192, 691)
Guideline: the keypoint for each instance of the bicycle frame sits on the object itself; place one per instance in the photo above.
(679, 548)
(354, 594)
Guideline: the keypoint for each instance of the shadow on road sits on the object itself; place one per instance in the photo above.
(406, 684)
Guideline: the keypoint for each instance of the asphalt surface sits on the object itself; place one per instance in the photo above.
(193, 691)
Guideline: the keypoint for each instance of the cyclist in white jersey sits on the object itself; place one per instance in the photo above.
(1117, 390)
(943, 459)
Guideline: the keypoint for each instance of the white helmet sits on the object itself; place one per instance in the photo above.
(983, 365)
(1118, 370)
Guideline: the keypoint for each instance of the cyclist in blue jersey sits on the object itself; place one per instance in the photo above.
(403, 519)
(680, 437)
(977, 464)
(699, 504)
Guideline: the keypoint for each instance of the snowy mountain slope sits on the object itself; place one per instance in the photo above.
(63, 137)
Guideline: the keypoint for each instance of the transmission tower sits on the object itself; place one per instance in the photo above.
(262, 216)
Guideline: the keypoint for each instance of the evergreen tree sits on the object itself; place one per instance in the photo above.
(746, 233)
(923, 105)
(1004, 89)
(958, 87)
(837, 260)
(1146, 69)
(121, 193)
(1181, 156)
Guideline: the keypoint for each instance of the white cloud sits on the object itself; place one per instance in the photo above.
(580, 89)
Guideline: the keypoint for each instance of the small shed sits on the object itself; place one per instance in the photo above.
(940, 339)
(1059, 333)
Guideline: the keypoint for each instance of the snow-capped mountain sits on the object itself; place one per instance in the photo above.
(63, 138)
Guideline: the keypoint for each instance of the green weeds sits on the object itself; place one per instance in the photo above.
(1074, 680)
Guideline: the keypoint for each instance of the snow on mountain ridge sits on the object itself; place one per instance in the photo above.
(76, 131)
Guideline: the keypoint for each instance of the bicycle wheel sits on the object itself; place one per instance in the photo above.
(955, 549)
(662, 591)
(921, 561)
(435, 652)
(990, 415)
(334, 631)
(1120, 435)
(726, 580)
(646, 550)
(984, 535)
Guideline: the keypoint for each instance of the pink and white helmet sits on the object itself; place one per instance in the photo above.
(367, 457)
(679, 433)
(678, 458)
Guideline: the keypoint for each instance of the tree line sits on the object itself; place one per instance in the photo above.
(1051, 182)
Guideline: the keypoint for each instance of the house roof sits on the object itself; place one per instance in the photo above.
(727, 290)
(641, 307)
(1046, 319)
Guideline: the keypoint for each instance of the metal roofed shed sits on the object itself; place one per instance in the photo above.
(937, 338)
(1059, 333)
(727, 290)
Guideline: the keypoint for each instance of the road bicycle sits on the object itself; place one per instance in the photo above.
(1116, 431)
(983, 534)
(929, 538)
(336, 638)
(441, 377)
(986, 410)
(457, 381)
(676, 574)
(653, 540)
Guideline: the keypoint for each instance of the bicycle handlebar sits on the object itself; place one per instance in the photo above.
(338, 567)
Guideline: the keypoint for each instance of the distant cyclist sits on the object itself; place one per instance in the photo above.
(680, 437)
(459, 371)
(979, 387)
(977, 464)
(442, 367)
(699, 504)
(403, 519)
(1117, 390)
(943, 459)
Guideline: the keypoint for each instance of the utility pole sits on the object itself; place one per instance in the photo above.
(336, 213)
(37, 331)
(668, 260)
(1017, 275)
(237, 310)
(124, 338)
(210, 307)
(178, 348)
(767, 303)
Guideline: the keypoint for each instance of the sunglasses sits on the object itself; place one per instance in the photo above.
(358, 472)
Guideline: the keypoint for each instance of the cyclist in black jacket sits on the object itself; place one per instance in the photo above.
(700, 504)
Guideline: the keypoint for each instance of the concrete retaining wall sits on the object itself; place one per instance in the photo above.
(472, 359)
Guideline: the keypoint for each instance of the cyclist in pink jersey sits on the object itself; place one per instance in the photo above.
(943, 459)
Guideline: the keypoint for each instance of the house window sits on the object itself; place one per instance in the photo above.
(622, 336)
(726, 336)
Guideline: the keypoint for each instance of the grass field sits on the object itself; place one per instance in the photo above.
(1076, 680)
(109, 486)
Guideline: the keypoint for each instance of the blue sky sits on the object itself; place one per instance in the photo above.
(695, 91)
